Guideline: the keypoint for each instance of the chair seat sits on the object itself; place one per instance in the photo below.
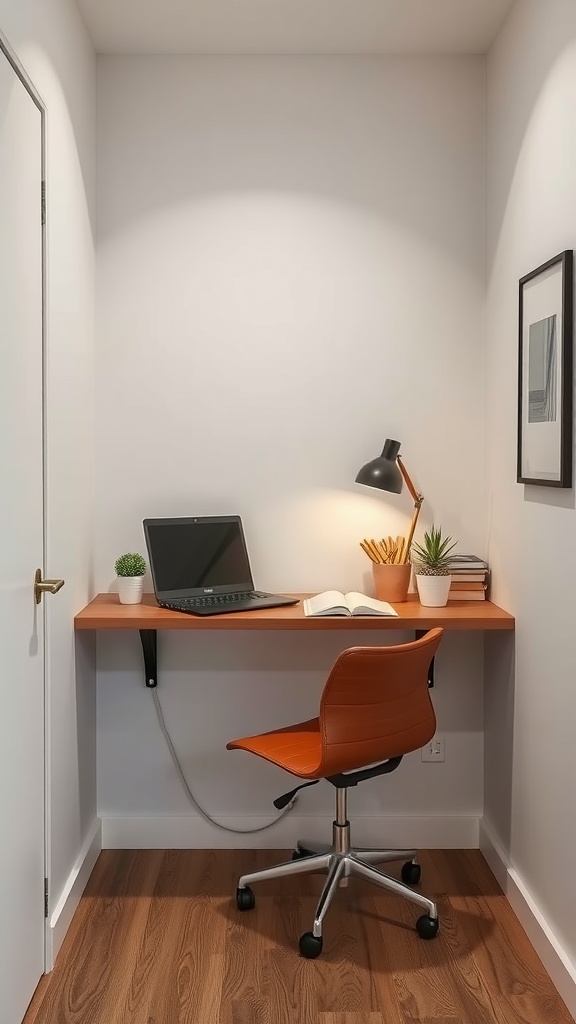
(296, 748)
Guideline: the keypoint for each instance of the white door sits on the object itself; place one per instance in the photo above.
(21, 547)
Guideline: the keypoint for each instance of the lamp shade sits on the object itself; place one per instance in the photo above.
(383, 472)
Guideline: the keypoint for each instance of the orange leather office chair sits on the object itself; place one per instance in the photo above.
(375, 708)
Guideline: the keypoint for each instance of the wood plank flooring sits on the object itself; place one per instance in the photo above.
(157, 939)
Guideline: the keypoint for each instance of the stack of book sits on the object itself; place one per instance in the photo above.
(470, 578)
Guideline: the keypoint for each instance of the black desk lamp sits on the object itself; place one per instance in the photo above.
(387, 473)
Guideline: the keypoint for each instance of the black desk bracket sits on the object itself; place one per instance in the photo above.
(419, 634)
(149, 638)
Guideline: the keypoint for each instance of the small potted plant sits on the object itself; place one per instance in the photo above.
(432, 568)
(130, 569)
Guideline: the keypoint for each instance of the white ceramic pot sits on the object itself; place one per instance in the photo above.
(433, 590)
(130, 589)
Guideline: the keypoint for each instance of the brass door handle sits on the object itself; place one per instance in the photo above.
(45, 586)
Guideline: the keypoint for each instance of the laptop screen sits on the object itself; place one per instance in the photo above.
(197, 555)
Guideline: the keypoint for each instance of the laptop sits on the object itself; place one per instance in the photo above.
(200, 565)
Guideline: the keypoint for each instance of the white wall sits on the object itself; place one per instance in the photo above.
(290, 268)
(531, 707)
(51, 42)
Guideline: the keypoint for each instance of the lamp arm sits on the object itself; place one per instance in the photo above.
(416, 496)
(408, 541)
(418, 499)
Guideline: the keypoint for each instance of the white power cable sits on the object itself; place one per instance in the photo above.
(204, 814)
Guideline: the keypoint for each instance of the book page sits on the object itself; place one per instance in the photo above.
(330, 602)
(363, 605)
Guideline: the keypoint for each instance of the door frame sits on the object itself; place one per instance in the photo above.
(18, 68)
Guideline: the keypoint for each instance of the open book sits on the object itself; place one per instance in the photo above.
(332, 602)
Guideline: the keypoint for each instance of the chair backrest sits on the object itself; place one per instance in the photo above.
(376, 704)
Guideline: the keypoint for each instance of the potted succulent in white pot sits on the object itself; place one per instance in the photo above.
(432, 568)
(130, 569)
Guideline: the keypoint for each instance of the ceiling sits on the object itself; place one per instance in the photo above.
(293, 26)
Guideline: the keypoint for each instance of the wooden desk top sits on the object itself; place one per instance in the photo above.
(106, 612)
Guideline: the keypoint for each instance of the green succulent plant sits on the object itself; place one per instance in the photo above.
(432, 558)
(130, 565)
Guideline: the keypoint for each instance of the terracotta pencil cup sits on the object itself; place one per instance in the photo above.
(391, 582)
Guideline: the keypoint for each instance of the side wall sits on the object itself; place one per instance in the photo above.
(290, 269)
(531, 706)
(51, 42)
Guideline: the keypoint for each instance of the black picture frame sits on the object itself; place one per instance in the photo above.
(545, 344)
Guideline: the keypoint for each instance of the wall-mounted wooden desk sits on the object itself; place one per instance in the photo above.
(106, 612)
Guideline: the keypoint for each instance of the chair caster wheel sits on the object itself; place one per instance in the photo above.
(245, 898)
(410, 873)
(310, 945)
(427, 927)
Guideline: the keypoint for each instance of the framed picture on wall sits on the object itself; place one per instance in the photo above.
(545, 374)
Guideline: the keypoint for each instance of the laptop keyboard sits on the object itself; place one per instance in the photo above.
(214, 601)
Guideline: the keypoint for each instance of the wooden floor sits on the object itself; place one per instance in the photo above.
(157, 939)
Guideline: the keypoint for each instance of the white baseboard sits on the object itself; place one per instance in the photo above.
(59, 921)
(192, 832)
(556, 961)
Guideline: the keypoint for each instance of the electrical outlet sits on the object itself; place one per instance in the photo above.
(434, 751)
